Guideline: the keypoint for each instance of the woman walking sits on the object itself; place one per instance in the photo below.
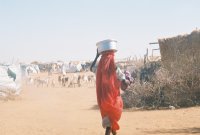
(108, 82)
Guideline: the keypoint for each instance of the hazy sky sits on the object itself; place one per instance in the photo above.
(47, 30)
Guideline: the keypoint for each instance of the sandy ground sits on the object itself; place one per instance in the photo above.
(73, 111)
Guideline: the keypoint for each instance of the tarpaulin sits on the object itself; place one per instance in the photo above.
(10, 79)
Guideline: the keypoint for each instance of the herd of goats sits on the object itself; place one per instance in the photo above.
(71, 80)
(144, 74)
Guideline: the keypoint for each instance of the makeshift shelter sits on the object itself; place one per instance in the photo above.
(27, 69)
(182, 50)
(71, 68)
(10, 80)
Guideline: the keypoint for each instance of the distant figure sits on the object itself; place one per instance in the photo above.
(59, 80)
(79, 81)
(63, 81)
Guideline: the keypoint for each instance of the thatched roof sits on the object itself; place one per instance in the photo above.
(181, 47)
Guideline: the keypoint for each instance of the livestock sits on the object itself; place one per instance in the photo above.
(41, 82)
(64, 80)
(89, 79)
(75, 80)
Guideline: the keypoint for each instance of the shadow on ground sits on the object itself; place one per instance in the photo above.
(94, 107)
(194, 130)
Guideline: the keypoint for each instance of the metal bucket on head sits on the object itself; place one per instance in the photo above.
(107, 45)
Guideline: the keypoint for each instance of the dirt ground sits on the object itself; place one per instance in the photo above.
(73, 111)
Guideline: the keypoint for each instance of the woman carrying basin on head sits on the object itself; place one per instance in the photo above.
(109, 79)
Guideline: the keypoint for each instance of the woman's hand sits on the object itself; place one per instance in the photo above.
(97, 55)
(124, 84)
(95, 60)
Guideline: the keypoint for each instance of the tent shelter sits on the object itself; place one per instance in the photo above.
(10, 80)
